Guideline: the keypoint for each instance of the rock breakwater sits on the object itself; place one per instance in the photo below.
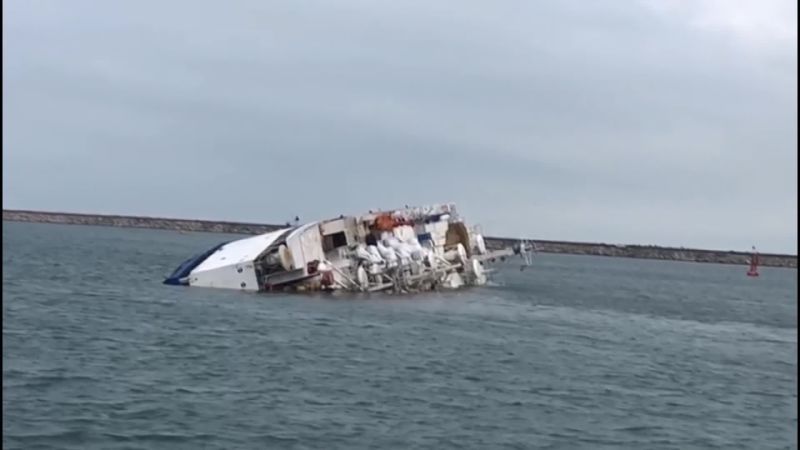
(544, 246)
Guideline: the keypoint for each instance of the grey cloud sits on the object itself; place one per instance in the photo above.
(568, 120)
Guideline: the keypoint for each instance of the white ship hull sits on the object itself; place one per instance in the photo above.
(404, 250)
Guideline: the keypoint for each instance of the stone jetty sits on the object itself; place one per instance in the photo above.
(543, 246)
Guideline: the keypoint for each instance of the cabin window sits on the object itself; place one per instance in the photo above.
(333, 241)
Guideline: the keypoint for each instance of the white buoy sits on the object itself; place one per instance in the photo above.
(480, 244)
(478, 272)
(362, 277)
(453, 281)
(462, 254)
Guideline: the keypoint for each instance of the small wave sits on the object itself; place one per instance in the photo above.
(157, 437)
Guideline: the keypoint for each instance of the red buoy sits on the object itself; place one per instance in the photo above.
(753, 271)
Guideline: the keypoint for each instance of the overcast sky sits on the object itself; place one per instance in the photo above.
(652, 122)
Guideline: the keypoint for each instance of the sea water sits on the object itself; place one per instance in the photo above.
(574, 352)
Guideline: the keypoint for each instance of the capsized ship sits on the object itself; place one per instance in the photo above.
(403, 250)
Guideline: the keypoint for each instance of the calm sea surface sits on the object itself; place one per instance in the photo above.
(575, 353)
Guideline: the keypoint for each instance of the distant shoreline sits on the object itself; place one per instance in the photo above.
(544, 246)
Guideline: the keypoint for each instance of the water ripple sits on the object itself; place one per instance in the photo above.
(580, 353)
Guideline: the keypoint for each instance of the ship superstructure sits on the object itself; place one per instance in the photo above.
(402, 250)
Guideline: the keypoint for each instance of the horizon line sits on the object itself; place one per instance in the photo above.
(240, 223)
